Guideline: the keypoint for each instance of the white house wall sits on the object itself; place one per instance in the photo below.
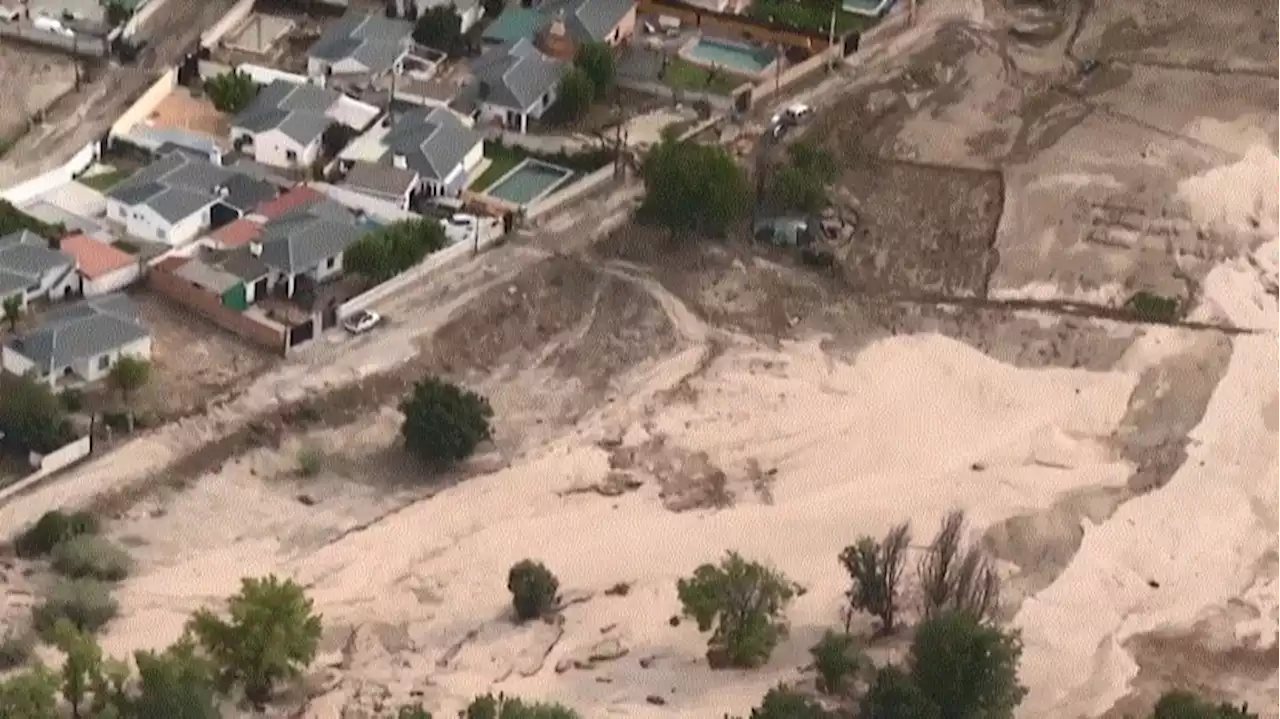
(272, 148)
(473, 157)
(15, 363)
(111, 281)
(321, 272)
(91, 369)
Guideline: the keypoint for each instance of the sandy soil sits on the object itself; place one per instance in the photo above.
(658, 404)
(33, 80)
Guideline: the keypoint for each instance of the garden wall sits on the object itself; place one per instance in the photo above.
(574, 191)
(25, 192)
(142, 108)
(210, 307)
(61, 457)
(772, 86)
(718, 103)
(229, 22)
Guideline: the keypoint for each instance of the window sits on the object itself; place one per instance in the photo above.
(291, 156)
(160, 234)
(104, 362)
(34, 288)
(330, 263)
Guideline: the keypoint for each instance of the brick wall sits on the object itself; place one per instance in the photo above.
(210, 307)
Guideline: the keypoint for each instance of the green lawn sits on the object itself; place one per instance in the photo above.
(502, 160)
(684, 75)
(104, 181)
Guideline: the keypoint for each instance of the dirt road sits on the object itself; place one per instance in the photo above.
(80, 117)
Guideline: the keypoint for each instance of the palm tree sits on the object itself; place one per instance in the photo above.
(13, 311)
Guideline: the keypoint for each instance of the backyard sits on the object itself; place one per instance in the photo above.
(105, 180)
(501, 160)
(684, 75)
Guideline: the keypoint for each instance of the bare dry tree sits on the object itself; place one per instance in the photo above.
(875, 569)
(955, 578)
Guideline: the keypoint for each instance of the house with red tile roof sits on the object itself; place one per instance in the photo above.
(103, 268)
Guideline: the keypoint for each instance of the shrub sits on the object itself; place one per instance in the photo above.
(52, 529)
(309, 462)
(443, 423)
(533, 589)
(72, 399)
(1153, 307)
(743, 604)
(85, 603)
(836, 657)
(91, 556)
(15, 649)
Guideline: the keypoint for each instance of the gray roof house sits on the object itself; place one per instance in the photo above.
(182, 194)
(385, 182)
(84, 339)
(30, 269)
(308, 241)
(517, 77)
(286, 122)
(590, 20)
(359, 44)
(432, 142)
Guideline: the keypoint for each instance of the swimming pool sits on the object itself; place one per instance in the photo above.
(732, 56)
(529, 181)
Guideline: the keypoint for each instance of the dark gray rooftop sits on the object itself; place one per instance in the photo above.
(433, 141)
(589, 20)
(305, 237)
(81, 332)
(298, 110)
(374, 41)
(380, 179)
(180, 184)
(25, 258)
(515, 75)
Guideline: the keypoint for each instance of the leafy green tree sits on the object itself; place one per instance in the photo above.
(893, 695)
(128, 375)
(1185, 705)
(53, 528)
(440, 27)
(13, 311)
(504, 707)
(231, 92)
(801, 186)
(12, 220)
(272, 635)
(30, 694)
(837, 657)
(444, 423)
(966, 667)
(533, 589)
(575, 95)
(693, 188)
(875, 569)
(175, 684)
(82, 668)
(595, 59)
(783, 702)
(743, 604)
(31, 416)
(381, 255)
(370, 257)
(413, 712)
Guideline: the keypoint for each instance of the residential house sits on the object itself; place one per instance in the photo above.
(469, 11)
(359, 46)
(384, 182)
(284, 124)
(561, 26)
(103, 269)
(30, 269)
(432, 149)
(80, 342)
(161, 140)
(178, 196)
(515, 83)
(304, 246)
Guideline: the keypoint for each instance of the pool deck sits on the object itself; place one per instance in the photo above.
(566, 176)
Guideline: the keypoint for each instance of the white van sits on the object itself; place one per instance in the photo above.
(49, 24)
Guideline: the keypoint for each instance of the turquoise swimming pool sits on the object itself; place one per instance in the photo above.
(733, 56)
(529, 181)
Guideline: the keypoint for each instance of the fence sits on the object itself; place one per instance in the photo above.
(62, 456)
(718, 103)
(831, 55)
(142, 108)
(143, 14)
(48, 464)
(229, 22)
(440, 260)
(737, 26)
(576, 190)
(25, 192)
(210, 307)
(83, 45)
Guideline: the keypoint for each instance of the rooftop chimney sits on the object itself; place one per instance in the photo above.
(255, 249)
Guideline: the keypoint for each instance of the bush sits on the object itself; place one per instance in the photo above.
(15, 649)
(72, 399)
(93, 557)
(533, 589)
(836, 657)
(504, 707)
(52, 529)
(743, 604)
(443, 423)
(310, 462)
(1153, 307)
(85, 603)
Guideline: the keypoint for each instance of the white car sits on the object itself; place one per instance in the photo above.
(460, 227)
(798, 112)
(362, 322)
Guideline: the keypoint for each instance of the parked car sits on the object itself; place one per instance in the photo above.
(362, 322)
(460, 227)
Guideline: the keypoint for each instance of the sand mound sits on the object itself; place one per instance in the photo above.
(1239, 198)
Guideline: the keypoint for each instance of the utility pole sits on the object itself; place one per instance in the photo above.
(831, 38)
